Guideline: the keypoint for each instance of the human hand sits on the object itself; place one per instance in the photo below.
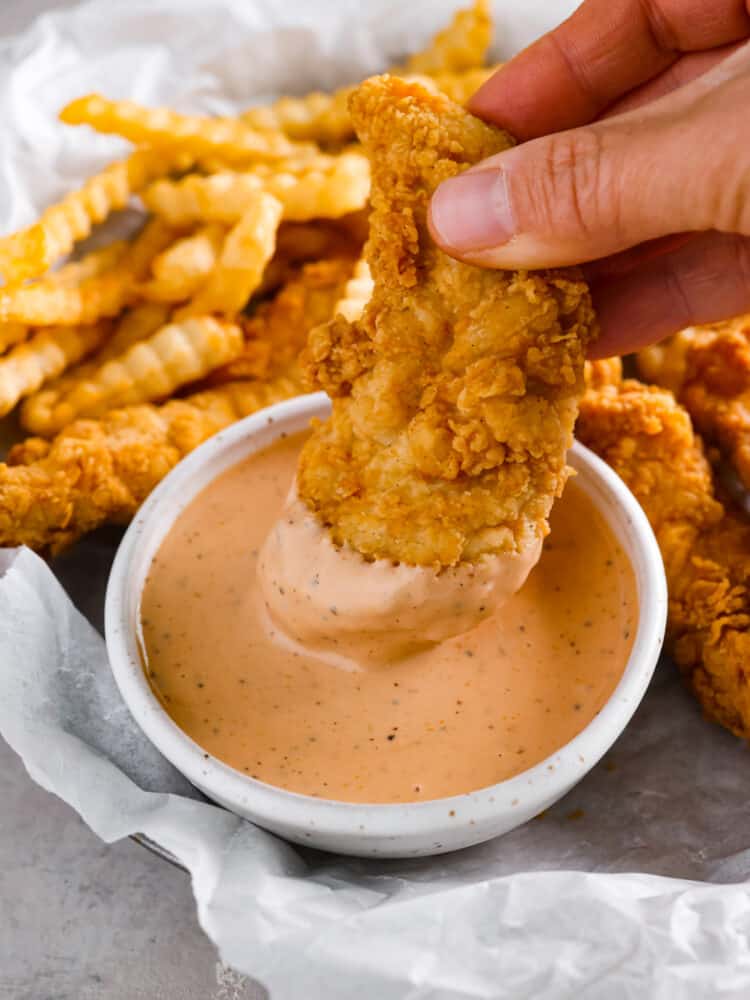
(637, 165)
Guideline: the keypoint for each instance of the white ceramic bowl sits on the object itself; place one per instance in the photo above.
(402, 830)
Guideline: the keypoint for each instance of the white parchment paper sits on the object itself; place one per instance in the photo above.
(632, 886)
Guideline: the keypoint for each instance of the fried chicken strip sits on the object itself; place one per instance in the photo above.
(708, 369)
(422, 502)
(96, 471)
(648, 439)
(454, 396)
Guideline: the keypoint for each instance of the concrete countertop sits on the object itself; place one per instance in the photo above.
(83, 920)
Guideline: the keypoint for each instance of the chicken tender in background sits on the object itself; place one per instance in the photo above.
(454, 396)
(95, 471)
(708, 369)
(648, 439)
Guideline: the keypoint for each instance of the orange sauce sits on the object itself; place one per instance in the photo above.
(467, 713)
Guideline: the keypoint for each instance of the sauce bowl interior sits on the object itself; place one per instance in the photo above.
(398, 830)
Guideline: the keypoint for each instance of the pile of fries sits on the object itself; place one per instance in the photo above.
(124, 359)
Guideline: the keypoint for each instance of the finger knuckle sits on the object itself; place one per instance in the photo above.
(575, 185)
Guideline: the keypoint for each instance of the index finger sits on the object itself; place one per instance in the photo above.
(604, 49)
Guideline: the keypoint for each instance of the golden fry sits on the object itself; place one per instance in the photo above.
(357, 292)
(277, 331)
(462, 45)
(228, 139)
(175, 355)
(330, 188)
(454, 55)
(96, 471)
(137, 324)
(12, 333)
(246, 251)
(91, 265)
(30, 252)
(48, 302)
(181, 269)
(45, 355)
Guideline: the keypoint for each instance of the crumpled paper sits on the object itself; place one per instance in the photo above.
(633, 886)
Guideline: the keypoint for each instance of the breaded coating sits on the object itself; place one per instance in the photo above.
(708, 369)
(96, 471)
(276, 333)
(648, 439)
(454, 396)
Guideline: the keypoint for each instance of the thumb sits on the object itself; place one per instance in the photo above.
(679, 164)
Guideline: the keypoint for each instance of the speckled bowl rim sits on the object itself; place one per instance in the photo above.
(427, 821)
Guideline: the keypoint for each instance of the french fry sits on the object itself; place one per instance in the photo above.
(137, 324)
(35, 413)
(180, 270)
(315, 117)
(12, 333)
(277, 331)
(96, 471)
(324, 118)
(357, 292)
(330, 188)
(48, 303)
(32, 251)
(175, 355)
(89, 266)
(246, 251)
(462, 45)
(228, 139)
(300, 242)
(43, 356)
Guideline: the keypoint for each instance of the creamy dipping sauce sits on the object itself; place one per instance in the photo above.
(474, 710)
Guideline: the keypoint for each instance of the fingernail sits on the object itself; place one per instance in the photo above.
(473, 211)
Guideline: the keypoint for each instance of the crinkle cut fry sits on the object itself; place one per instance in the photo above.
(708, 369)
(455, 394)
(462, 45)
(328, 189)
(97, 471)
(48, 302)
(276, 333)
(248, 247)
(44, 356)
(32, 251)
(174, 355)
(227, 139)
(648, 439)
(35, 414)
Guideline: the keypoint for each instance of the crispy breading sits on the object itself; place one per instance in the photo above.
(455, 394)
(276, 333)
(96, 471)
(648, 439)
(708, 369)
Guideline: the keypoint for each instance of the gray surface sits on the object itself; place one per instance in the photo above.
(81, 920)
